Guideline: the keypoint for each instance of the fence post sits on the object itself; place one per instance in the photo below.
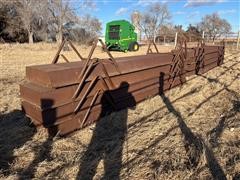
(238, 39)
(176, 36)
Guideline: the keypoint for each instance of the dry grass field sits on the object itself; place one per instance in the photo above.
(191, 132)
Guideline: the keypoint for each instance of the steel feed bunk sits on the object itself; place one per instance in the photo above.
(68, 96)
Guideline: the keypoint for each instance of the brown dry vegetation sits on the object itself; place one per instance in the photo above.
(191, 132)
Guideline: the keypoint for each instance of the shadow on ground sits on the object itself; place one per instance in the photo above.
(15, 131)
(43, 150)
(107, 140)
(193, 143)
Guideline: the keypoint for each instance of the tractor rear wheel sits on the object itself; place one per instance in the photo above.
(134, 46)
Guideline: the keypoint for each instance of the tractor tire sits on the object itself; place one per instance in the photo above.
(134, 46)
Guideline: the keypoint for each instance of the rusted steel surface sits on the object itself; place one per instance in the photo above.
(69, 96)
(208, 67)
(57, 75)
(34, 93)
(117, 95)
(64, 113)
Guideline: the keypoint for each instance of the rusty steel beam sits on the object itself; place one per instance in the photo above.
(66, 127)
(34, 93)
(54, 116)
(72, 95)
(69, 107)
(207, 68)
(57, 75)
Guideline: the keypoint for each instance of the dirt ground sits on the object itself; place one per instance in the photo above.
(190, 132)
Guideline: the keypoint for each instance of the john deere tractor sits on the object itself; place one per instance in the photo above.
(120, 36)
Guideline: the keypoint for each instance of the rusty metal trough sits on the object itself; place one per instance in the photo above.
(69, 96)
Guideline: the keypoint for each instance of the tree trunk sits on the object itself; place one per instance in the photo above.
(154, 37)
(59, 37)
(30, 37)
(164, 39)
(60, 19)
(46, 37)
(213, 40)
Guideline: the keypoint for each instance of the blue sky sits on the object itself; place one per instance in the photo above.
(184, 12)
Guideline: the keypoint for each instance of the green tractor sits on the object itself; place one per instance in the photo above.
(120, 36)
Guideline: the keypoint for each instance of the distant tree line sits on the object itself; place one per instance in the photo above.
(51, 20)
(155, 24)
(45, 20)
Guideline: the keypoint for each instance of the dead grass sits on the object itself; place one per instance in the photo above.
(192, 132)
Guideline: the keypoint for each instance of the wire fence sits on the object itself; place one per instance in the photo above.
(231, 40)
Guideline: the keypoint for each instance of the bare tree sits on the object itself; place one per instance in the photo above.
(29, 11)
(60, 13)
(193, 33)
(41, 19)
(63, 12)
(91, 24)
(167, 31)
(150, 22)
(23, 18)
(214, 26)
(84, 31)
(135, 19)
(11, 29)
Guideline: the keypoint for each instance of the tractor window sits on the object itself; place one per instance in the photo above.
(114, 28)
(114, 32)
